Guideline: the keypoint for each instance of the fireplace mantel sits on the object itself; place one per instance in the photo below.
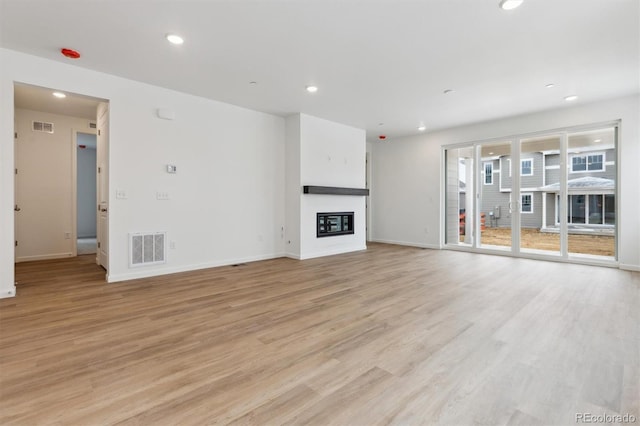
(334, 190)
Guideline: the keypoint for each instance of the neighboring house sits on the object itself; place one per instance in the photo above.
(590, 183)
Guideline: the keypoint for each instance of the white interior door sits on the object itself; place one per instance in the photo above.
(102, 190)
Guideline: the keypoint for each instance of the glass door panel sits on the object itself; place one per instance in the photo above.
(539, 171)
(494, 201)
(591, 189)
(459, 196)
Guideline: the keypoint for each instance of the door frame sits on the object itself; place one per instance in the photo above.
(74, 185)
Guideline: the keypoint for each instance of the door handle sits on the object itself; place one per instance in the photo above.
(16, 208)
(103, 210)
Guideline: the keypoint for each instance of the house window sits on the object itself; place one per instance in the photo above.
(587, 163)
(609, 209)
(526, 167)
(526, 201)
(488, 173)
(598, 209)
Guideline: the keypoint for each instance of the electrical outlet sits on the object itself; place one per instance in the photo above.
(172, 245)
(67, 235)
(121, 194)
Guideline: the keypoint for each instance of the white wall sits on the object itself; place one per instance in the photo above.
(45, 185)
(293, 187)
(323, 153)
(227, 199)
(407, 174)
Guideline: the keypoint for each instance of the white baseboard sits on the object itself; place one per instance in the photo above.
(112, 278)
(43, 257)
(10, 292)
(324, 253)
(406, 243)
(626, 267)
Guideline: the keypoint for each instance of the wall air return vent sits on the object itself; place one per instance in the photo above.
(92, 125)
(41, 126)
(147, 248)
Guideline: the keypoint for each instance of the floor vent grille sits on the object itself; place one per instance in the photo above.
(147, 248)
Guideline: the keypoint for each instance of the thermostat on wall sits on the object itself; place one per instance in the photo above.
(171, 168)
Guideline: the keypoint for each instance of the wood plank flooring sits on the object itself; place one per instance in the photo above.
(393, 335)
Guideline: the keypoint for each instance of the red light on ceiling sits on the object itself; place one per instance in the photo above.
(382, 137)
(70, 53)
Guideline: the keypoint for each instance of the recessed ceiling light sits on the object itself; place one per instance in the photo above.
(422, 128)
(597, 141)
(59, 95)
(550, 85)
(253, 82)
(312, 89)
(570, 98)
(175, 39)
(448, 91)
(510, 4)
(491, 153)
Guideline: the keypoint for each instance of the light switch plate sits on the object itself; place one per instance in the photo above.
(162, 195)
(121, 194)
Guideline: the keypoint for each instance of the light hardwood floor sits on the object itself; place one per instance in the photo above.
(392, 335)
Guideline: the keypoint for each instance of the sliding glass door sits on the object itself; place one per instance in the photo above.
(539, 170)
(545, 195)
(591, 193)
(495, 202)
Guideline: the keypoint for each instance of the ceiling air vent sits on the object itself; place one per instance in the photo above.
(92, 125)
(41, 126)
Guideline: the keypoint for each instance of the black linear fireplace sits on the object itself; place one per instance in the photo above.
(331, 224)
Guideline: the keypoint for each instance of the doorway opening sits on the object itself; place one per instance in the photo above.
(60, 152)
(86, 184)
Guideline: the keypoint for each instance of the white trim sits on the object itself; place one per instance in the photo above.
(112, 278)
(555, 167)
(628, 267)
(44, 257)
(409, 244)
(10, 292)
(551, 257)
(333, 252)
(530, 189)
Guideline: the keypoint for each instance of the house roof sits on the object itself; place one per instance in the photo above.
(589, 183)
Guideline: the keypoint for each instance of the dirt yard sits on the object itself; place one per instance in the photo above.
(601, 245)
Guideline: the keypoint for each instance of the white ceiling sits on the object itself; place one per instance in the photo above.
(384, 61)
(41, 99)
